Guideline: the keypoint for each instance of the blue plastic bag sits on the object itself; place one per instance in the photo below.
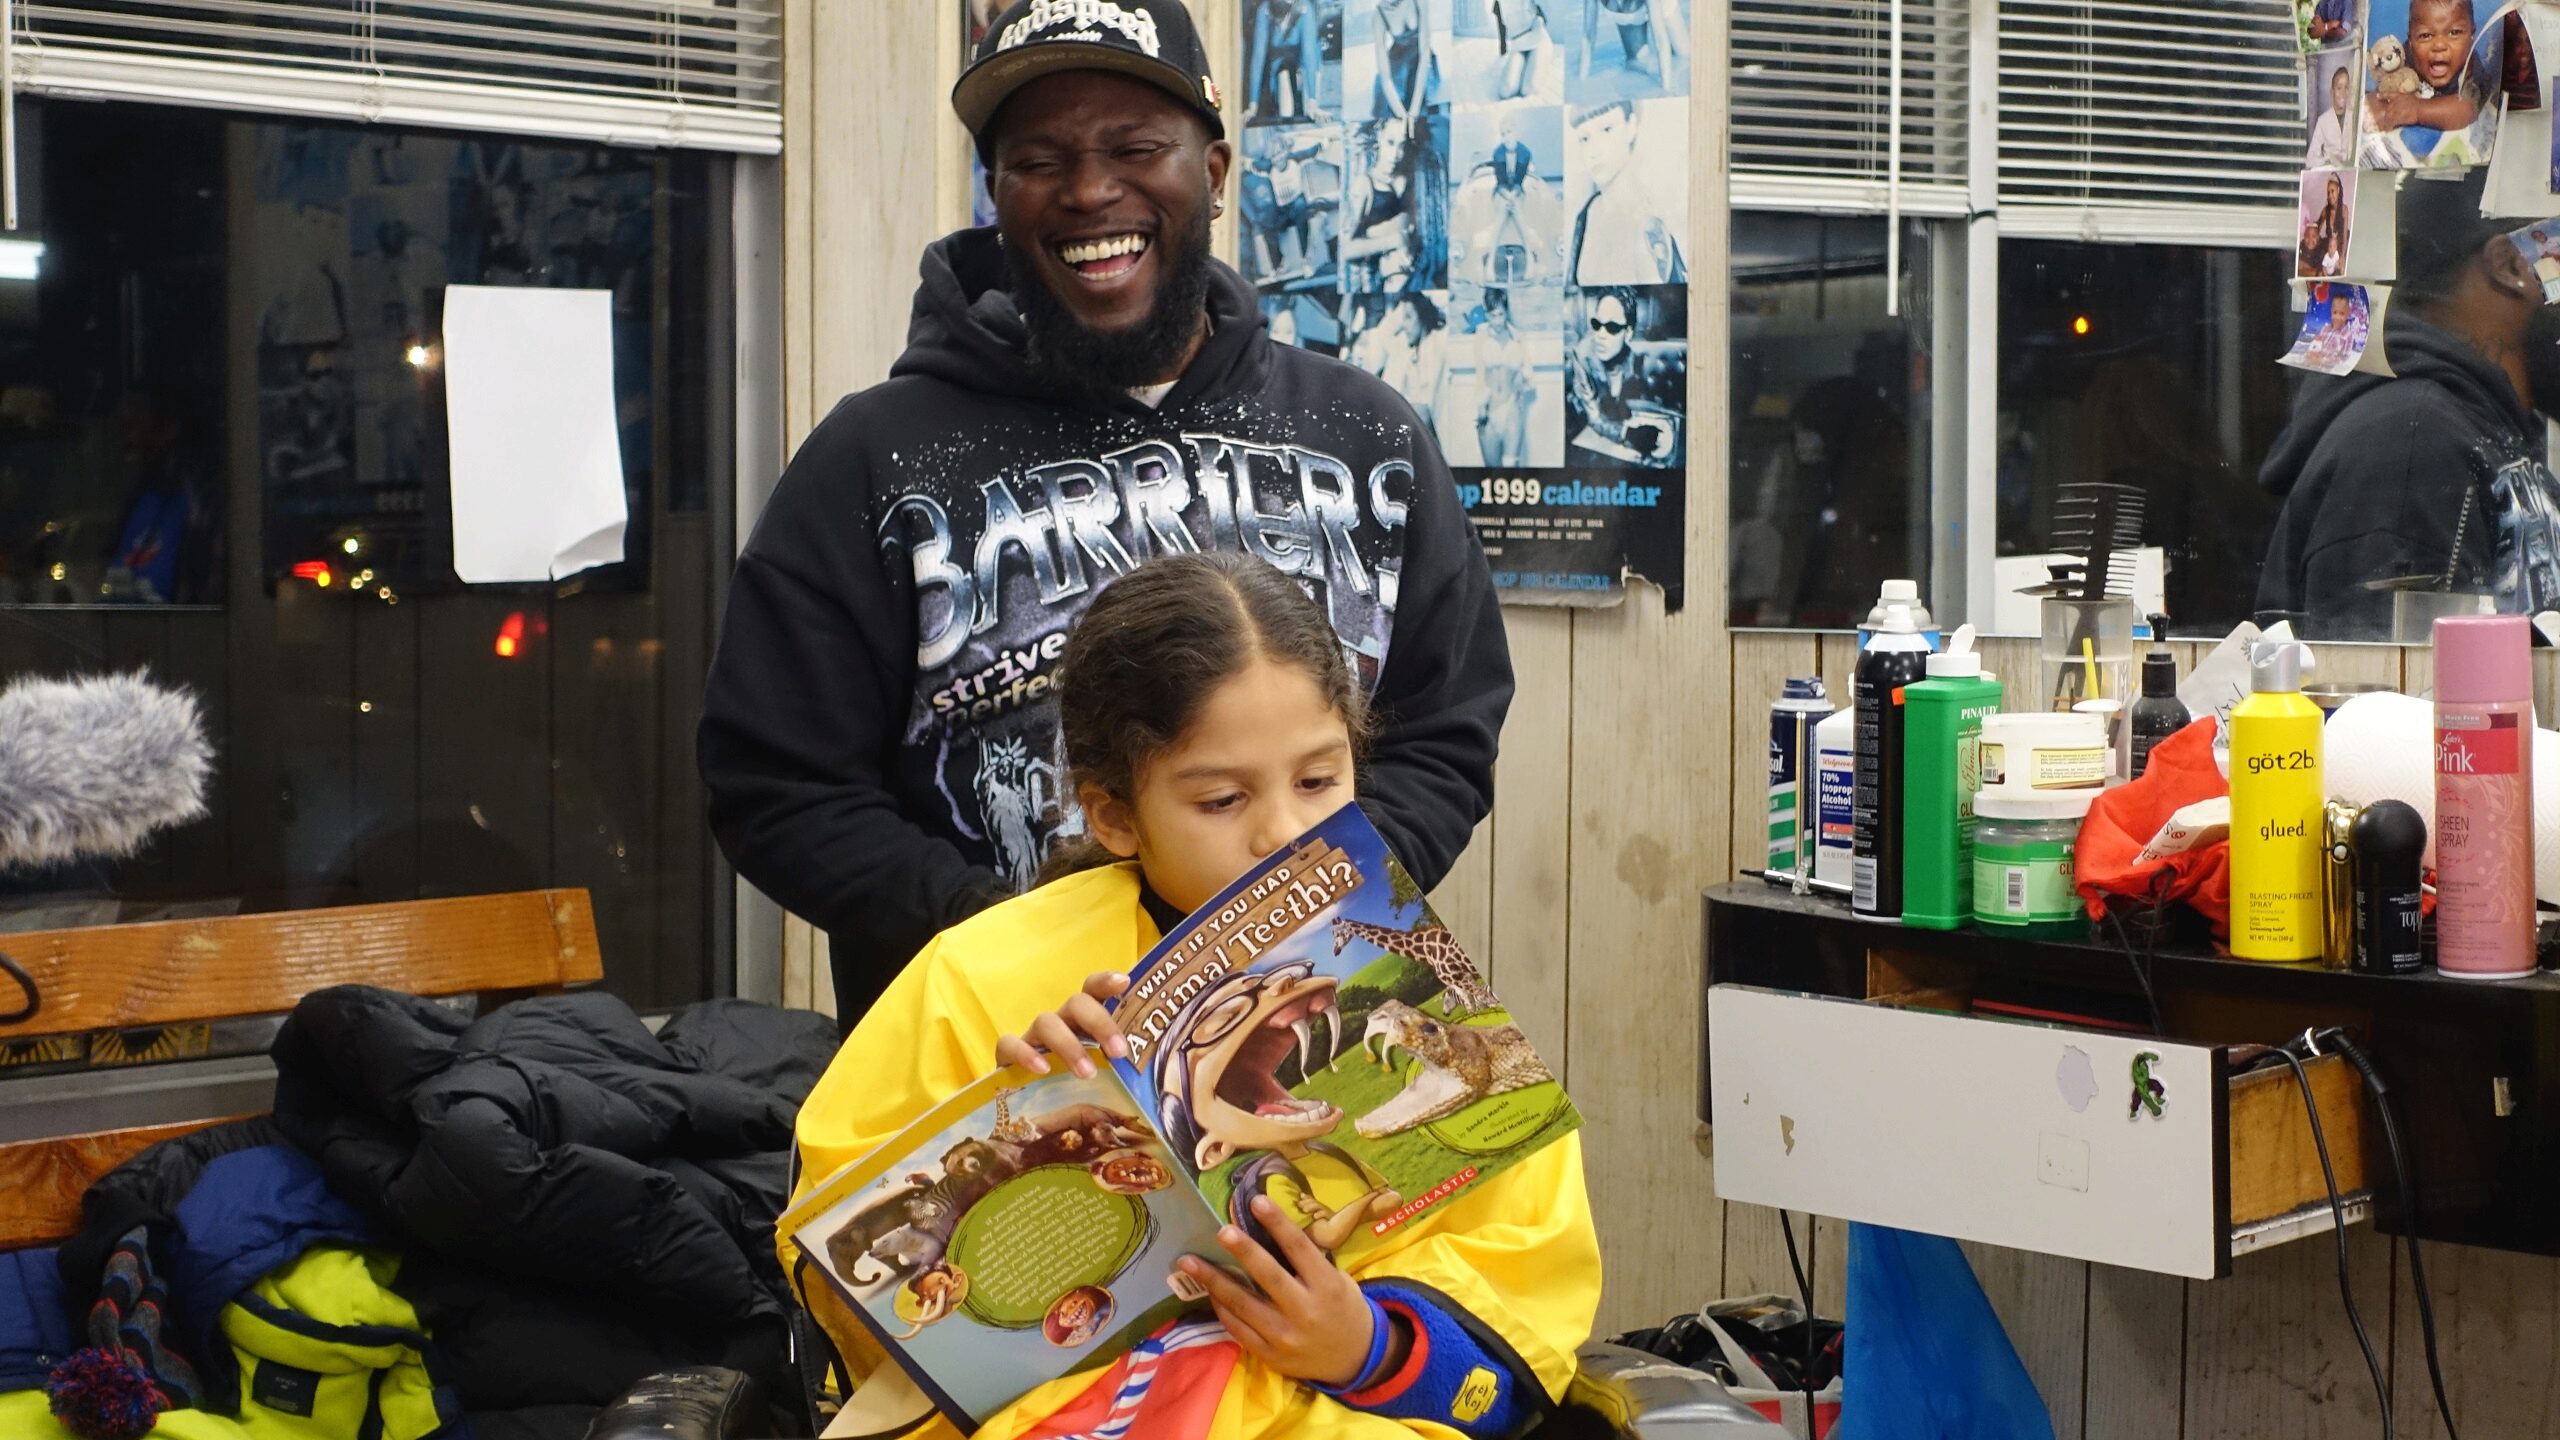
(1927, 1358)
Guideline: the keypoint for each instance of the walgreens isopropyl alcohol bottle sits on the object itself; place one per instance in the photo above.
(2276, 795)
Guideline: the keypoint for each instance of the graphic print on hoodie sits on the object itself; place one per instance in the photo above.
(2438, 473)
(898, 616)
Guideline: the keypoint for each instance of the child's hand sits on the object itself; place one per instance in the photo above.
(1057, 1031)
(1309, 1323)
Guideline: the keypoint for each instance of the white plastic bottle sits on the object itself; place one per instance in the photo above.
(1835, 791)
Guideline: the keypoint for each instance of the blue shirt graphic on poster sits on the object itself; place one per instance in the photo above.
(1485, 203)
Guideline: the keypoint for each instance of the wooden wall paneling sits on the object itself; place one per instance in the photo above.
(2014, 660)
(2043, 1302)
(604, 804)
(1649, 826)
(200, 857)
(1532, 833)
(387, 727)
(2137, 1352)
(2269, 1351)
(1464, 898)
(2546, 683)
(2355, 665)
(802, 158)
(484, 744)
(2498, 1334)
(1839, 654)
(681, 659)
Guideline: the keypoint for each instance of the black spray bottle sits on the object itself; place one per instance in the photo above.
(2157, 715)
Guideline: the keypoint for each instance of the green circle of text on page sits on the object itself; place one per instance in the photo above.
(1039, 1235)
(1497, 1123)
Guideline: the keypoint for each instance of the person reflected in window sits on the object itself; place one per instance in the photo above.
(2329, 149)
(2435, 478)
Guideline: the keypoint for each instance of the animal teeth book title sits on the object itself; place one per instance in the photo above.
(1316, 1034)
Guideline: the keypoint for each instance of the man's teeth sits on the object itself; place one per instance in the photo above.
(1085, 252)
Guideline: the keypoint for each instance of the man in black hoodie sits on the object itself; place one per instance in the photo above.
(1083, 387)
(2436, 477)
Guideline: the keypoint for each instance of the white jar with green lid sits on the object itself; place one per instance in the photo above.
(2022, 875)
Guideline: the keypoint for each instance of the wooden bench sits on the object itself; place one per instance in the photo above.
(115, 978)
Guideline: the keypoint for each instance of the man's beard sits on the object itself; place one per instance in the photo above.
(2542, 359)
(1072, 357)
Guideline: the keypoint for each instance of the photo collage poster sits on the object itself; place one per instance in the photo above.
(1485, 203)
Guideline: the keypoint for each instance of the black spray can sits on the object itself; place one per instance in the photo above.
(2388, 841)
(1897, 656)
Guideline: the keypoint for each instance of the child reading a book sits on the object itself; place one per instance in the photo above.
(1209, 719)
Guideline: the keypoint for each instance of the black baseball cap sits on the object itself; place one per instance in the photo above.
(1149, 40)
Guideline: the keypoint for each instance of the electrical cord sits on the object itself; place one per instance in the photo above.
(2347, 1049)
(2338, 1214)
(1804, 1292)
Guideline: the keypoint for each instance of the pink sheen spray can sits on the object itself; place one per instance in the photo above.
(2484, 796)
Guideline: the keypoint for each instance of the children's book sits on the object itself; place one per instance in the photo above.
(1313, 1033)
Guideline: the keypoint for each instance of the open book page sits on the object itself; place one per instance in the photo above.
(1316, 1034)
(1021, 1230)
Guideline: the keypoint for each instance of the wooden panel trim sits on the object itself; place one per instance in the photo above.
(41, 1181)
(114, 976)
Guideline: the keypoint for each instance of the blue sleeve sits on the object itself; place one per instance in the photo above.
(1459, 1373)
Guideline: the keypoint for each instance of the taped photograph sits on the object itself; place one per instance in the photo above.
(2329, 108)
(1506, 195)
(2432, 73)
(2335, 326)
(2328, 203)
(2322, 23)
(2539, 243)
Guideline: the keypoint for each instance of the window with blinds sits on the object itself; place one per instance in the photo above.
(1813, 111)
(2189, 108)
(696, 73)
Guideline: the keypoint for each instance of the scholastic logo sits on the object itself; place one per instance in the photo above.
(1086, 15)
(1425, 1201)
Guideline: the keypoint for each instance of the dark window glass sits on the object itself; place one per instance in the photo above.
(2151, 366)
(1831, 418)
(222, 457)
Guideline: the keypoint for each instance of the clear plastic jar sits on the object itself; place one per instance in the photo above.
(2022, 875)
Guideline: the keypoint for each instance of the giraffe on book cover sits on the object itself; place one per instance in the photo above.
(1430, 943)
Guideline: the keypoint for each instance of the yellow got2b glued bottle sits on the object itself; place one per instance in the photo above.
(2276, 795)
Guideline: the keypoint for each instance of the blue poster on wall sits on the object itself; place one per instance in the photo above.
(1485, 204)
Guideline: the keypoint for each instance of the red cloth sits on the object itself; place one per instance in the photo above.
(2105, 861)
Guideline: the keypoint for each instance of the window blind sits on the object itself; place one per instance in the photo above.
(698, 73)
(2149, 119)
(1812, 104)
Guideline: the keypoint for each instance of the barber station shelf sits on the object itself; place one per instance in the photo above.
(1848, 1073)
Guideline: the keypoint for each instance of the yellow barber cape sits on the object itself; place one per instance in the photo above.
(1517, 1251)
(26, 1415)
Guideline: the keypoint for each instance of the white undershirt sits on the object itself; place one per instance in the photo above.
(1152, 396)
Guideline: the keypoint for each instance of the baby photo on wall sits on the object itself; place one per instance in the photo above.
(1506, 195)
(2432, 73)
(2334, 329)
(1505, 50)
(1290, 193)
(2328, 201)
(1627, 183)
(1394, 59)
(1623, 49)
(1506, 377)
(2539, 243)
(2323, 23)
(2329, 107)
(1292, 61)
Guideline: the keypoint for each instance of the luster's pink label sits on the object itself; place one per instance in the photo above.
(2476, 744)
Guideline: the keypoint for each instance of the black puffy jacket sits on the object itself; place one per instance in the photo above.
(553, 1163)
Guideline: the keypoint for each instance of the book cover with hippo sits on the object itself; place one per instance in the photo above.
(1023, 1229)
(1316, 1034)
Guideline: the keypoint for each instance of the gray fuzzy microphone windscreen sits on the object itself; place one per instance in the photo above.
(93, 767)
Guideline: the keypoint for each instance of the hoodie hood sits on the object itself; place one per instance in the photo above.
(2417, 351)
(966, 330)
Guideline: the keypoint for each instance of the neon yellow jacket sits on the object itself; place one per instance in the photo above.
(1518, 1251)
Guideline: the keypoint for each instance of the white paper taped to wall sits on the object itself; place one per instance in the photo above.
(536, 448)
